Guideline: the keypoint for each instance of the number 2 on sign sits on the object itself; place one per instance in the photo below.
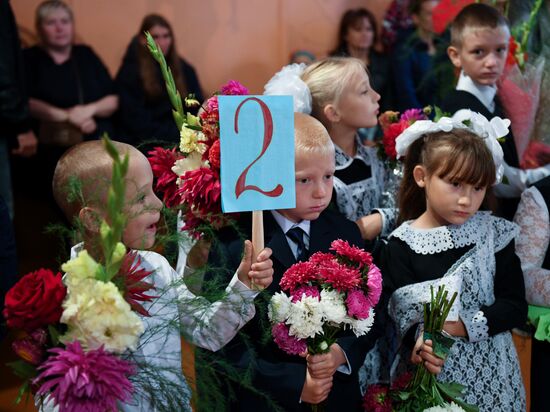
(241, 185)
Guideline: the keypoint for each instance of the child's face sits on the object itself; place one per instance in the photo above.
(482, 55)
(358, 104)
(314, 174)
(449, 202)
(142, 205)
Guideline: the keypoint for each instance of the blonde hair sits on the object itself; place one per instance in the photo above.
(310, 136)
(43, 11)
(328, 78)
(83, 175)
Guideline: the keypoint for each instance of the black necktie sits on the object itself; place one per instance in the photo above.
(296, 234)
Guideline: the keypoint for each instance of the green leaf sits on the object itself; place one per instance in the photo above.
(23, 369)
(54, 335)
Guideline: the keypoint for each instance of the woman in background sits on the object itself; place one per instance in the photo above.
(145, 111)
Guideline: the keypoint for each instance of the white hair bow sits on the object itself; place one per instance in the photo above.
(489, 131)
(288, 82)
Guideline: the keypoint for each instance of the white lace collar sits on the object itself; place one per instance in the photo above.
(485, 94)
(442, 238)
(343, 160)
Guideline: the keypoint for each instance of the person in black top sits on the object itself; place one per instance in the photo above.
(145, 111)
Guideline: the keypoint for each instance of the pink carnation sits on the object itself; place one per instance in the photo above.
(300, 273)
(374, 285)
(233, 88)
(287, 343)
(91, 381)
(299, 293)
(353, 253)
(358, 305)
(340, 277)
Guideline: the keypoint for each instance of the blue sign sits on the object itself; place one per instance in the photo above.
(257, 153)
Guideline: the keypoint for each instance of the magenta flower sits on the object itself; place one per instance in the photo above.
(85, 381)
(287, 343)
(298, 293)
(412, 115)
(374, 285)
(358, 304)
(233, 88)
(29, 350)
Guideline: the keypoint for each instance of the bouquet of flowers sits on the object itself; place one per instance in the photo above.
(75, 328)
(392, 125)
(422, 391)
(189, 176)
(326, 294)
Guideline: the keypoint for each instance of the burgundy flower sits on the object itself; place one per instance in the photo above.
(91, 381)
(162, 161)
(29, 350)
(377, 399)
(129, 279)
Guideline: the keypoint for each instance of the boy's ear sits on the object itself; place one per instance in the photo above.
(90, 219)
(419, 174)
(331, 113)
(454, 55)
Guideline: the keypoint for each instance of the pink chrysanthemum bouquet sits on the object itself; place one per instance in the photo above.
(326, 294)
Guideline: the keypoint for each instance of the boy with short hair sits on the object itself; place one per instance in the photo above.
(479, 47)
(294, 234)
(209, 325)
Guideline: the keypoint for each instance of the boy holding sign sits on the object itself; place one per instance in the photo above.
(293, 234)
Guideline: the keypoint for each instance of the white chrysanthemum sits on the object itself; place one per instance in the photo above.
(192, 162)
(279, 307)
(97, 314)
(332, 303)
(361, 327)
(79, 268)
(305, 318)
(448, 407)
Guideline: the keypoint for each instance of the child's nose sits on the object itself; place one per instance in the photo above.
(156, 203)
(319, 191)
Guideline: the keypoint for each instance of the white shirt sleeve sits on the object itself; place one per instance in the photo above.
(531, 245)
(519, 180)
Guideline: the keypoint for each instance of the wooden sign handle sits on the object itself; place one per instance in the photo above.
(257, 233)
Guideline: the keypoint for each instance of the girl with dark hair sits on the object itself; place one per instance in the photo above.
(445, 240)
(145, 112)
(357, 37)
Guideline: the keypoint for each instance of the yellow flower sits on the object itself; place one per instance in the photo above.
(79, 268)
(119, 252)
(190, 140)
(97, 314)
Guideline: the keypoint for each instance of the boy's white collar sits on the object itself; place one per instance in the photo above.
(485, 94)
(286, 224)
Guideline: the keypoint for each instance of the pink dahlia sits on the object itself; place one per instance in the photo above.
(85, 381)
(351, 253)
(233, 88)
(299, 293)
(358, 305)
(300, 273)
(374, 285)
(377, 399)
(162, 161)
(287, 343)
(341, 277)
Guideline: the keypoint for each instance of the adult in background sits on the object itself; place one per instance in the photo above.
(15, 130)
(413, 59)
(357, 37)
(145, 112)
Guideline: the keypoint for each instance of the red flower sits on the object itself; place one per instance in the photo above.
(390, 134)
(214, 155)
(201, 189)
(130, 280)
(299, 274)
(35, 300)
(319, 258)
(340, 277)
(352, 253)
(377, 399)
(512, 49)
(162, 161)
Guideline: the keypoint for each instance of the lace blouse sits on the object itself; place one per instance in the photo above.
(479, 255)
(532, 244)
(362, 196)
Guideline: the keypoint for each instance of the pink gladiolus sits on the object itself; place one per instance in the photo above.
(85, 381)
